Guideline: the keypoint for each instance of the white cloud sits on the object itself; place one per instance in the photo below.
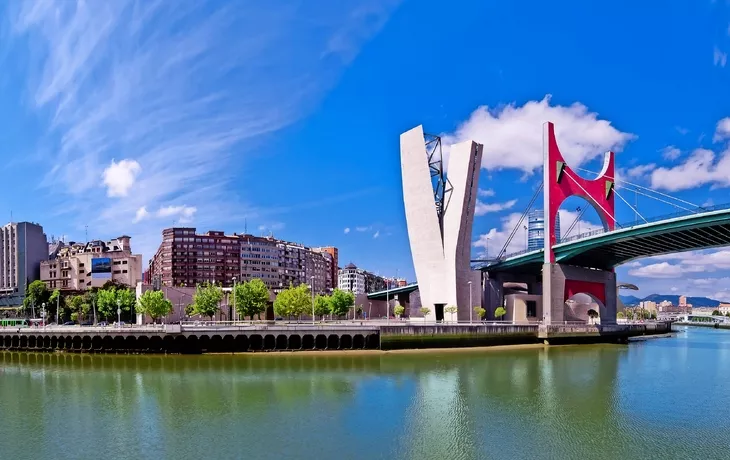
(698, 169)
(722, 131)
(674, 289)
(671, 153)
(120, 177)
(660, 270)
(141, 214)
(641, 170)
(184, 214)
(512, 135)
(119, 76)
(719, 58)
(486, 192)
(481, 208)
(376, 234)
(582, 226)
(681, 130)
(364, 228)
(347, 230)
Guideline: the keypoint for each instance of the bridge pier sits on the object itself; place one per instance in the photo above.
(561, 282)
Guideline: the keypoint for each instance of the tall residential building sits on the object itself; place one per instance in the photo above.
(334, 253)
(23, 246)
(359, 281)
(80, 266)
(186, 258)
(281, 264)
(536, 229)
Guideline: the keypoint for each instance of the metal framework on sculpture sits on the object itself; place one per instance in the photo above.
(442, 187)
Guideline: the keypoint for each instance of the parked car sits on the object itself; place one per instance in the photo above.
(69, 323)
(87, 323)
(103, 324)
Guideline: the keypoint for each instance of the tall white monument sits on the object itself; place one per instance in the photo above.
(439, 214)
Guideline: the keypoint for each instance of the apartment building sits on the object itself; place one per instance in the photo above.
(80, 266)
(23, 246)
(186, 258)
(359, 281)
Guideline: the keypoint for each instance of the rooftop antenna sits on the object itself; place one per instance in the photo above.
(11, 216)
(245, 226)
(87, 233)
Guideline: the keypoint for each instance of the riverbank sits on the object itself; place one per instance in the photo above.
(315, 338)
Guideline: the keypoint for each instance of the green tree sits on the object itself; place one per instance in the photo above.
(620, 315)
(207, 299)
(321, 305)
(154, 304)
(126, 299)
(629, 314)
(451, 309)
(398, 310)
(78, 307)
(293, 301)
(727, 314)
(36, 294)
(55, 303)
(341, 301)
(425, 311)
(716, 313)
(498, 313)
(252, 298)
(653, 315)
(106, 302)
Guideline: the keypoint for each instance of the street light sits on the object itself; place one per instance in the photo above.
(312, 299)
(119, 312)
(43, 314)
(470, 308)
(234, 298)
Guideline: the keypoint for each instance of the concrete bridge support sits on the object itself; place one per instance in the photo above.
(560, 282)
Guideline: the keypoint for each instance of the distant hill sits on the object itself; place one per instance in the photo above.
(694, 301)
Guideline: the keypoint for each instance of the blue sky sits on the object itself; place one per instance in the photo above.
(284, 117)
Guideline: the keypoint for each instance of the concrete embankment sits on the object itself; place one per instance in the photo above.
(320, 337)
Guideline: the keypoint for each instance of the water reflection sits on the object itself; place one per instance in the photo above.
(570, 402)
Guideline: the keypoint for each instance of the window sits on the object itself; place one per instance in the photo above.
(81, 265)
(124, 271)
(81, 271)
(531, 308)
(124, 262)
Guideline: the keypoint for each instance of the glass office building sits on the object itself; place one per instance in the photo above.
(536, 229)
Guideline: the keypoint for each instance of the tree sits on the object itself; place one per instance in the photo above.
(126, 299)
(425, 311)
(727, 314)
(36, 294)
(106, 302)
(620, 315)
(251, 297)
(54, 302)
(498, 313)
(451, 309)
(78, 306)
(629, 314)
(398, 310)
(154, 304)
(341, 301)
(207, 299)
(653, 315)
(321, 305)
(293, 301)
(716, 313)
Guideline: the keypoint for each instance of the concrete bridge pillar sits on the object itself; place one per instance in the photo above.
(560, 282)
(493, 295)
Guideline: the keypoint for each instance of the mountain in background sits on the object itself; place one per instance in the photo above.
(631, 300)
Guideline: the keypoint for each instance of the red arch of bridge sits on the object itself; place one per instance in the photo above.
(561, 182)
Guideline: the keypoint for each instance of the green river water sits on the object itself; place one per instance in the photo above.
(664, 398)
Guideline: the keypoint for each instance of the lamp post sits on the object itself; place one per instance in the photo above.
(470, 309)
(313, 319)
(119, 313)
(58, 302)
(43, 314)
(234, 298)
(370, 309)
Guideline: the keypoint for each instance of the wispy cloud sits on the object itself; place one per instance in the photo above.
(172, 91)
(376, 234)
(719, 58)
(347, 230)
(482, 208)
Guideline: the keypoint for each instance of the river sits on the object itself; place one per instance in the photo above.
(663, 398)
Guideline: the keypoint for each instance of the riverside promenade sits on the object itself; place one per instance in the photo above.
(196, 338)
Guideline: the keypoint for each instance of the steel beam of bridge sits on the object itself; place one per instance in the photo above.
(607, 250)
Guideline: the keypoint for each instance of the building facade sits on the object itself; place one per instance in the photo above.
(23, 246)
(186, 258)
(536, 229)
(81, 266)
(359, 281)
